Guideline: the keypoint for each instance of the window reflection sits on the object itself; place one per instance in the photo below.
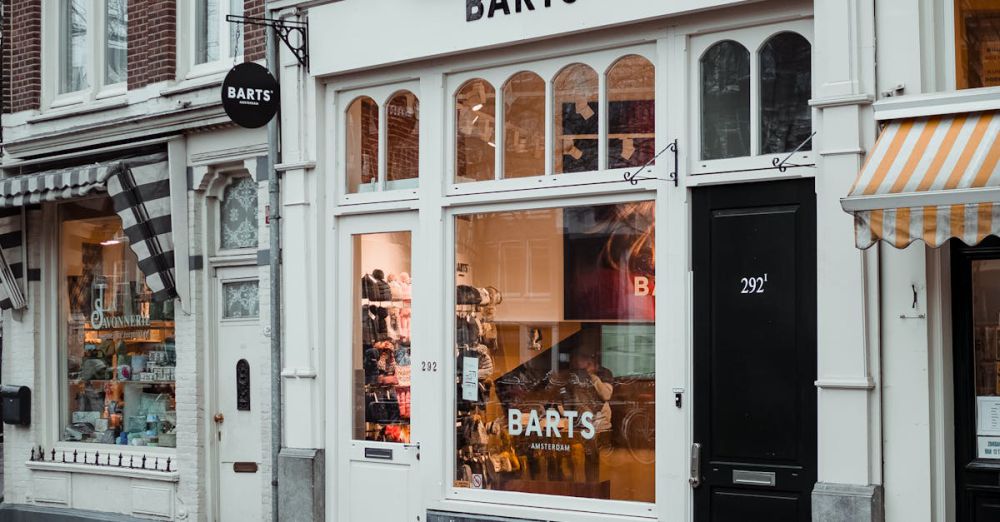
(576, 113)
(725, 101)
(631, 112)
(786, 85)
(362, 145)
(402, 116)
(524, 126)
(475, 132)
(977, 43)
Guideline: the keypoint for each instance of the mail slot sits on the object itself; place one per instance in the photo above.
(753, 478)
(16, 404)
(378, 453)
(245, 467)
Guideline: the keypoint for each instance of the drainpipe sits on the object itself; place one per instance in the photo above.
(274, 205)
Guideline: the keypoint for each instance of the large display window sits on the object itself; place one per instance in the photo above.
(555, 351)
(119, 350)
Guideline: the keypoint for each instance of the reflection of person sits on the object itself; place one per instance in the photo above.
(589, 388)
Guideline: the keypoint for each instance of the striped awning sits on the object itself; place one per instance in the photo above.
(139, 189)
(930, 179)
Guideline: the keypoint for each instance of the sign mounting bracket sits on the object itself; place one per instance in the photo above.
(298, 44)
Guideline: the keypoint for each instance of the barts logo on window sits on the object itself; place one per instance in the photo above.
(555, 425)
(476, 9)
(250, 95)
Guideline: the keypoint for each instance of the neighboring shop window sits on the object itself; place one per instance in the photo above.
(381, 352)
(977, 43)
(210, 24)
(725, 101)
(631, 112)
(74, 58)
(475, 131)
(555, 350)
(576, 121)
(576, 109)
(402, 140)
(785, 88)
(120, 353)
(238, 215)
(366, 134)
(115, 41)
(524, 126)
(986, 335)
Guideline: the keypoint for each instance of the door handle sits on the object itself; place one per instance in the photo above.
(219, 417)
(695, 477)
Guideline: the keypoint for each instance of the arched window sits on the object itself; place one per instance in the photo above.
(631, 112)
(402, 115)
(785, 88)
(725, 101)
(475, 131)
(575, 119)
(362, 145)
(524, 126)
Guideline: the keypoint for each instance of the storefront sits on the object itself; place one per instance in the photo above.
(475, 247)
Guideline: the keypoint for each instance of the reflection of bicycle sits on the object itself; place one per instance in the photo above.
(638, 430)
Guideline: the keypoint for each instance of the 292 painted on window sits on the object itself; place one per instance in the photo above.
(753, 284)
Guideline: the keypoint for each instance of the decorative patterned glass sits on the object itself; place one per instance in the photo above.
(725, 101)
(242, 385)
(575, 112)
(238, 220)
(240, 300)
(74, 57)
(475, 132)
(631, 112)
(362, 145)
(403, 139)
(524, 126)
(785, 88)
(115, 41)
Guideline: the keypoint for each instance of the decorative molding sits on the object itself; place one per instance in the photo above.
(846, 384)
(840, 101)
(299, 373)
(113, 471)
(295, 165)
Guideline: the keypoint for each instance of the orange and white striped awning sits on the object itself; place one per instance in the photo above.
(931, 179)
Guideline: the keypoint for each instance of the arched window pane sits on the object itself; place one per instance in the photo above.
(785, 87)
(631, 112)
(524, 126)
(475, 132)
(362, 145)
(402, 116)
(238, 217)
(576, 114)
(725, 101)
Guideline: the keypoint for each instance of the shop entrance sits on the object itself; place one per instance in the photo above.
(976, 326)
(375, 331)
(754, 260)
(239, 360)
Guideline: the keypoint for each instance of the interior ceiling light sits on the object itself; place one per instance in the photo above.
(477, 107)
(119, 237)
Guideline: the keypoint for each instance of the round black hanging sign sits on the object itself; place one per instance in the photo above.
(250, 95)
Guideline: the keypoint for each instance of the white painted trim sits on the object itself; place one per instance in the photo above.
(921, 199)
(846, 384)
(954, 102)
(90, 469)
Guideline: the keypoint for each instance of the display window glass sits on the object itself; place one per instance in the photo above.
(986, 336)
(977, 43)
(475, 129)
(576, 113)
(524, 126)
(555, 351)
(383, 293)
(785, 89)
(631, 112)
(362, 145)
(403, 140)
(119, 350)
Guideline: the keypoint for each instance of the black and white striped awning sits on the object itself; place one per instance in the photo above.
(140, 192)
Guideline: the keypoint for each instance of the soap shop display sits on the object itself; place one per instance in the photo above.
(386, 300)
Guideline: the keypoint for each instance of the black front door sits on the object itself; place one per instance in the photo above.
(754, 256)
(975, 294)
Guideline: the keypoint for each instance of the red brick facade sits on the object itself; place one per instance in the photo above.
(253, 35)
(152, 41)
(21, 59)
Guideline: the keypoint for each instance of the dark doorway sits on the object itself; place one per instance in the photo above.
(975, 291)
(754, 257)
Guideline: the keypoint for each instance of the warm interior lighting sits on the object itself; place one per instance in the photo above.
(477, 107)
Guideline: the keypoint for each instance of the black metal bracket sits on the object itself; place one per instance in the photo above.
(782, 164)
(633, 176)
(284, 30)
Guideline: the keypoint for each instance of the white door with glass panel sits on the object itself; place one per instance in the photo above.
(376, 453)
(240, 352)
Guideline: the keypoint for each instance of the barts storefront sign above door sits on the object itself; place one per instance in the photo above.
(475, 9)
(250, 95)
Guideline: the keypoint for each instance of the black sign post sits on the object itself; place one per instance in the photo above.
(250, 95)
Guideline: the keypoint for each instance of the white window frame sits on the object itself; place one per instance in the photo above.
(753, 39)
(187, 36)
(382, 94)
(600, 62)
(52, 40)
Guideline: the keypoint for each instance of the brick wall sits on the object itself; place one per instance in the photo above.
(253, 35)
(21, 88)
(152, 39)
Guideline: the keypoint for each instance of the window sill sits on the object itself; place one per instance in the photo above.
(752, 163)
(614, 179)
(195, 83)
(112, 471)
(80, 108)
(941, 103)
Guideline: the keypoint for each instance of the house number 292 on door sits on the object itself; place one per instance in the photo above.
(753, 284)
